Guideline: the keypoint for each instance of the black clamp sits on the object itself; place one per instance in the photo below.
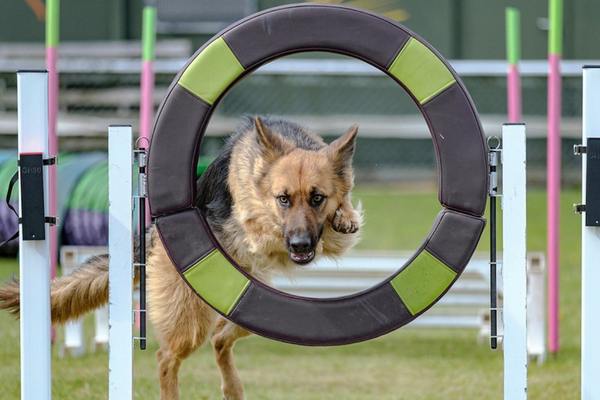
(31, 173)
(579, 149)
(47, 220)
(45, 161)
(591, 151)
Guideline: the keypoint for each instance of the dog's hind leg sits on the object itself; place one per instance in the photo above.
(224, 337)
(181, 320)
(180, 333)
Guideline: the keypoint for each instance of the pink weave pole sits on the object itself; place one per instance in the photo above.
(51, 59)
(553, 167)
(52, 40)
(514, 94)
(146, 101)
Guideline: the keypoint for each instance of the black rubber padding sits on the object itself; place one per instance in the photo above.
(188, 237)
(321, 321)
(455, 238)
(461, 151)
(174, 152)
(299, 28)
(458, 141)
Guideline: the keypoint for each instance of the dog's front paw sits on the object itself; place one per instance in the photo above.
(345, 221)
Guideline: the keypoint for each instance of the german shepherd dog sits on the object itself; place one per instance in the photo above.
(287, 200)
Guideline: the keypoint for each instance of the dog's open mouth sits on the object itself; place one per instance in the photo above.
(302, 258)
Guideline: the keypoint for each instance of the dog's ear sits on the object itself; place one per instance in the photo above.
(271, 143)
(341, 150)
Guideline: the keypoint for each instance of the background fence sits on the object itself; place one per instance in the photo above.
(325, 93)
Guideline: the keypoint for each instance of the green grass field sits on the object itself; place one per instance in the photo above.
(407, 364)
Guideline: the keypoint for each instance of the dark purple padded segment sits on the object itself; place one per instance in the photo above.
(185, 237)
(9, 224)
(316, 27)
(321, 322)
(85, 228)
(461, 151)
(171, 162)
(455, 238)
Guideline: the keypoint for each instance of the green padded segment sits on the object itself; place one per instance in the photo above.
(217, 281)
(421, 71)
(422, 281)
(211, 72)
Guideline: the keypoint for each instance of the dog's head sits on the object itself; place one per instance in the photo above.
(304, 188)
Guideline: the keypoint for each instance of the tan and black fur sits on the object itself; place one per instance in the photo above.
(287, 200)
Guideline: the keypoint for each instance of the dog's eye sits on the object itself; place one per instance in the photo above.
(317, 199)
(283, 200)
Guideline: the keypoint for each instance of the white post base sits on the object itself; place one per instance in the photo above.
(514, 263)
(34, 255)
(120, 250)
(590, 250)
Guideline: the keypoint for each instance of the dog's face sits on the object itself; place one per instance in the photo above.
(304, 188)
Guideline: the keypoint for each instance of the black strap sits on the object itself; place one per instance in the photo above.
(11, 185)
(45, 161)
(49, 161)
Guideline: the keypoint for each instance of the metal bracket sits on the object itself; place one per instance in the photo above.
(495, 149)
(141, 157)
(579, 149)
(494, 160)
(45, 161)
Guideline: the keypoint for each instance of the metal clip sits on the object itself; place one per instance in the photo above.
(142, 185)
(494, 150)
(579, 149)
(141, 156)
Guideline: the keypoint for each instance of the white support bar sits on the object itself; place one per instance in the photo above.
(514, 271)
(120, 248)
(34, 255)
(101, 328)
(590, 250)
(74, 345)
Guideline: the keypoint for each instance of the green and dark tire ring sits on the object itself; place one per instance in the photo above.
(458, 141)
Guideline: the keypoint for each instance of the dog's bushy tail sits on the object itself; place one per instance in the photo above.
(72, 295)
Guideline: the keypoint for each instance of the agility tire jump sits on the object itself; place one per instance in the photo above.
(458, 141)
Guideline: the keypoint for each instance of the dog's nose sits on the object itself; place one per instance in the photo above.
(301, 243)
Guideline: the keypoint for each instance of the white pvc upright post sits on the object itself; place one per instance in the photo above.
(120, 276)
(590, 250)
(514, 263)
(34, 255)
